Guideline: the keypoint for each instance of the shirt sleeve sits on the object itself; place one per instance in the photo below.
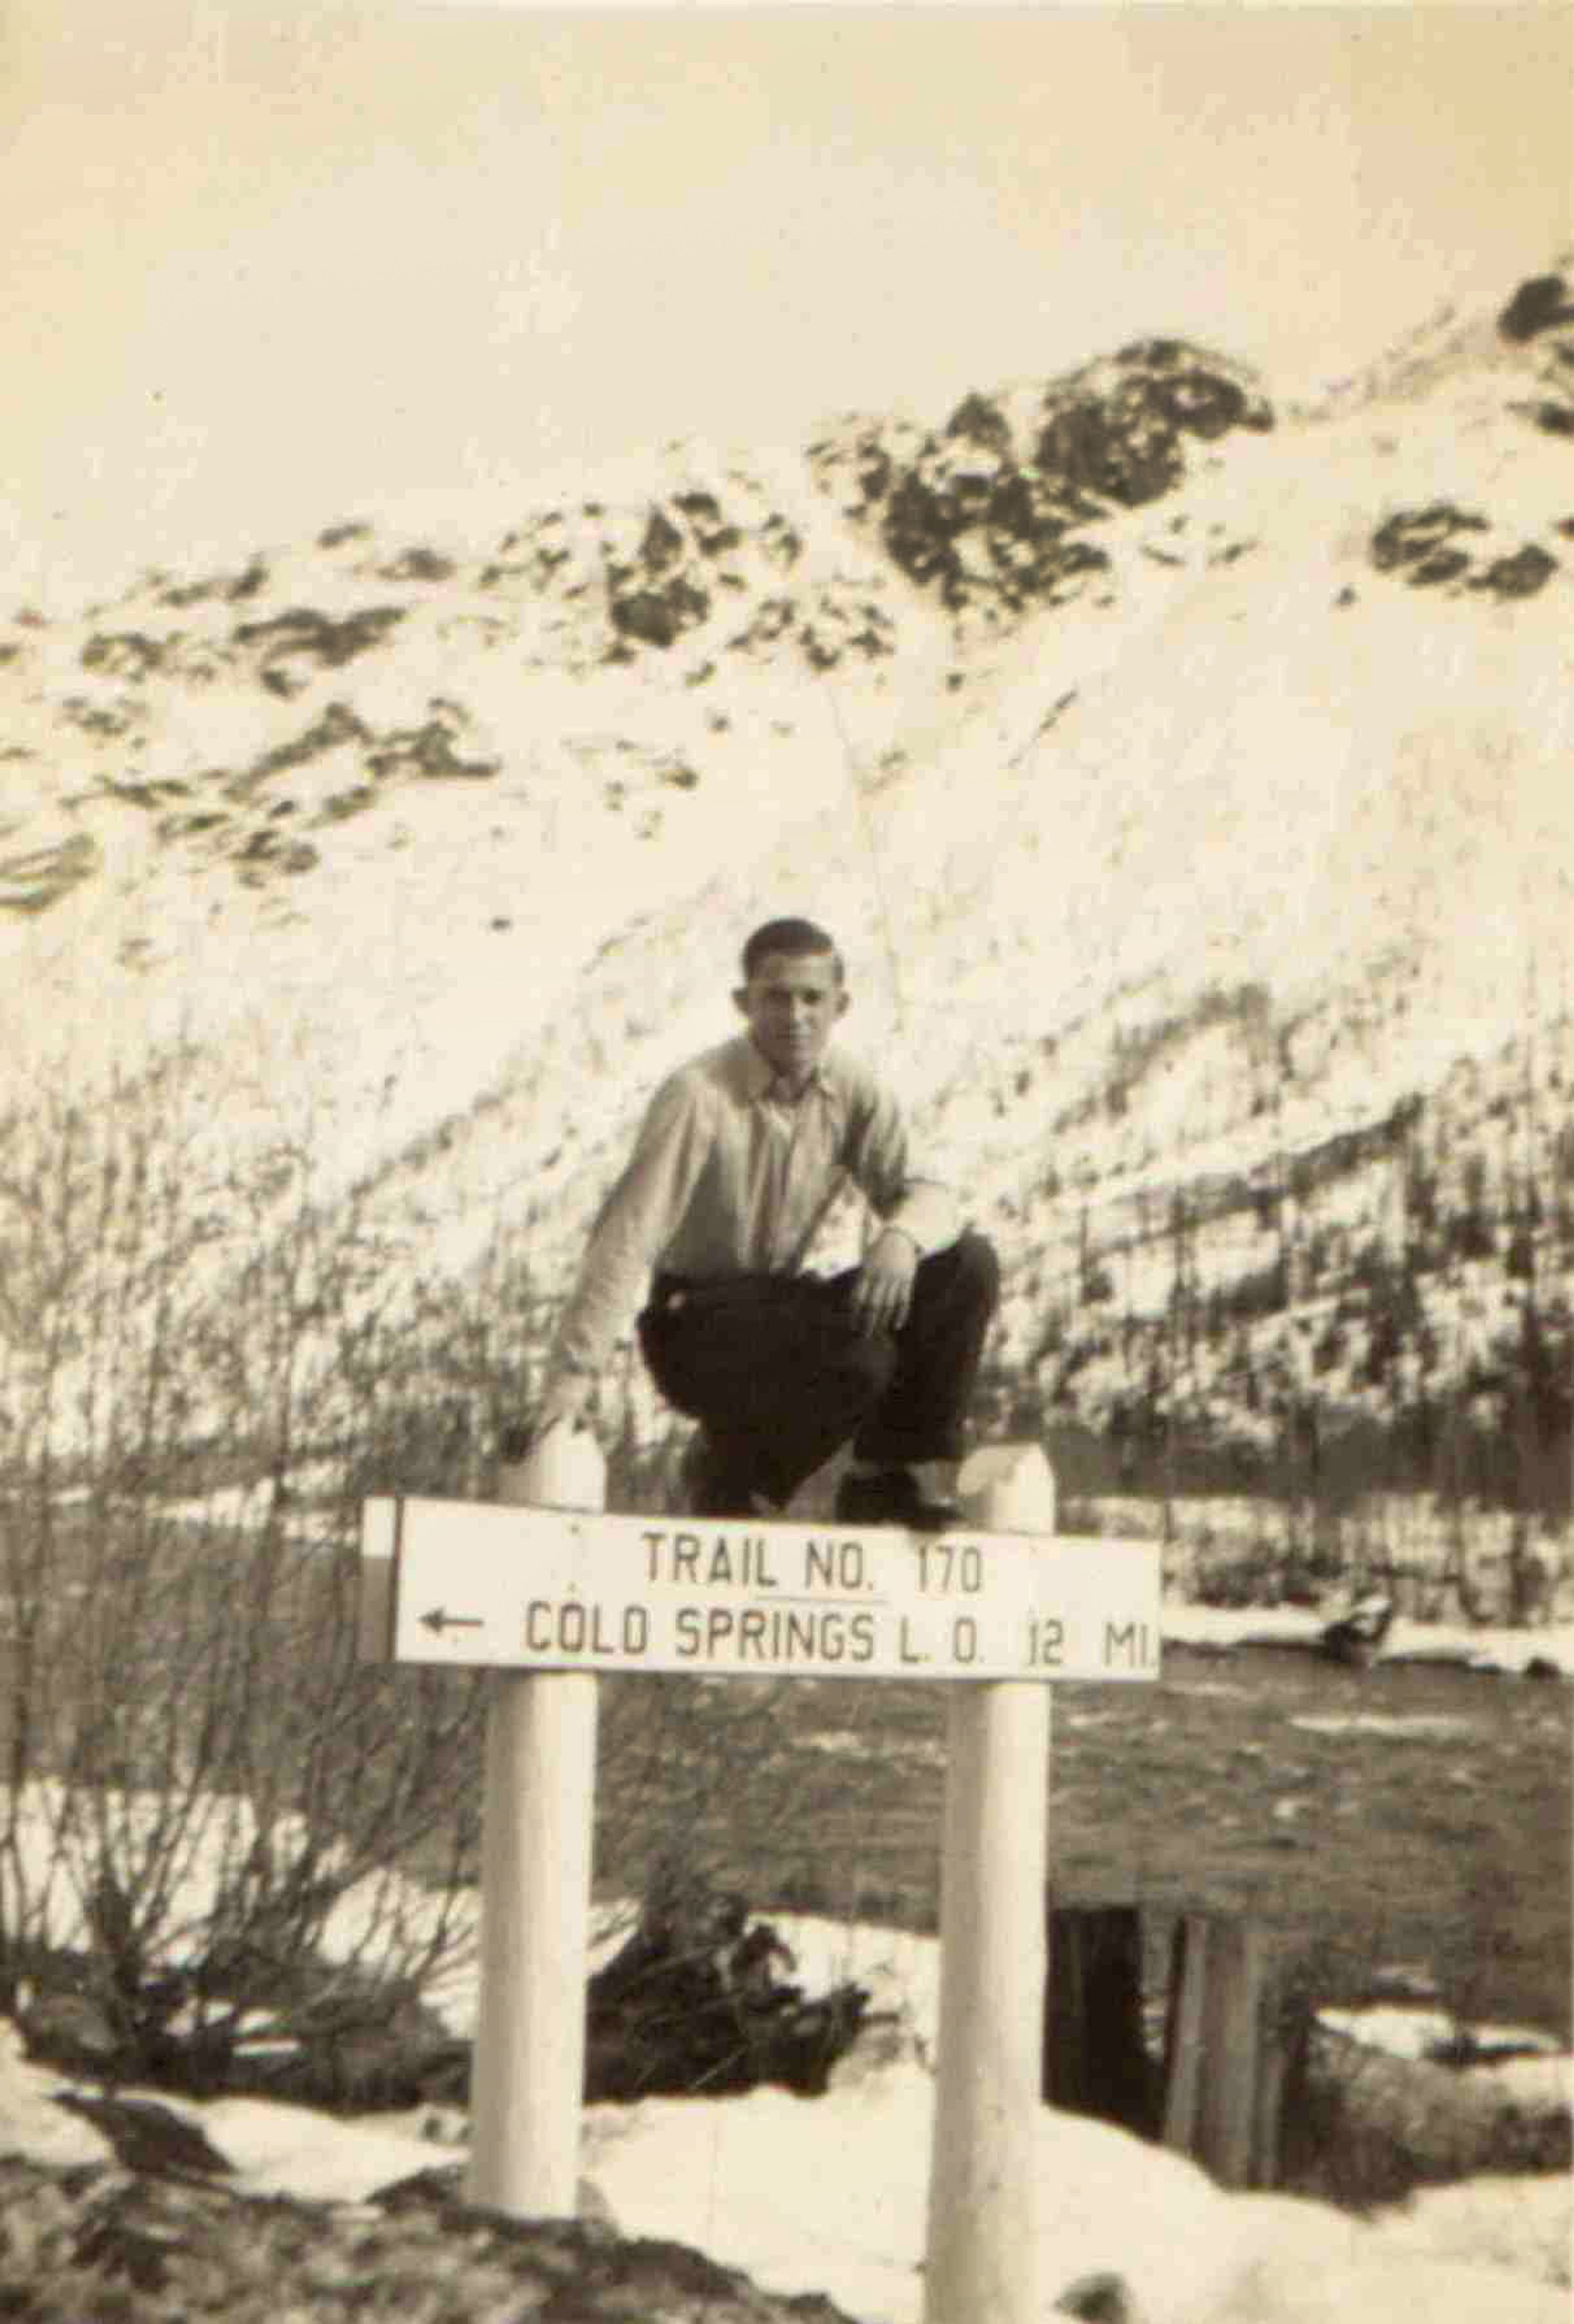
(634, 1226)
(924, 1208)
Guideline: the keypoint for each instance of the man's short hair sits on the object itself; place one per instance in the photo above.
(796, 939)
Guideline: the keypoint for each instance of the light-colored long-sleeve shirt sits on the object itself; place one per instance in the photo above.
(729, 1176)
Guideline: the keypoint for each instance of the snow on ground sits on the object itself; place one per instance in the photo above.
(1535, 2083)
(830, 2195)
(1521, 2223)
(847, 2176)
(1484, 1647)
(1425, 2033)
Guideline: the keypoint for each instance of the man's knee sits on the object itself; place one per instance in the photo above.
(969, 1270)
(980, 1265)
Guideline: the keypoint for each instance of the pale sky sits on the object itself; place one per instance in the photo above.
(276, 263)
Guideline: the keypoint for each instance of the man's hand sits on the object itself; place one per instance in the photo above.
(883, 1292)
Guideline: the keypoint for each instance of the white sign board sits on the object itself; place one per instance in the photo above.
(476, 1583)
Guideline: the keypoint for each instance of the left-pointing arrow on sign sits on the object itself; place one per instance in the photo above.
(440, 1621)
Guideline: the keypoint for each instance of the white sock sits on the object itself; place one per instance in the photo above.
(936, 1479)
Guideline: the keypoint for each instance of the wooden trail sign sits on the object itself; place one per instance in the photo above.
(551, 1588)
(548, 1590)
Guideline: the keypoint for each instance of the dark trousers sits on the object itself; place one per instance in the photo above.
(780, 1375)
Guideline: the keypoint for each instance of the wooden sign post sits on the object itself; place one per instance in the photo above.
(981, 2257)
(546, 1590)
(527, 2077)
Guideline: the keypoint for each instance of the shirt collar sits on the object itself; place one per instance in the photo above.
(761, 1080)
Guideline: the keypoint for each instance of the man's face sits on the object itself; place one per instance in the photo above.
(792, 1005)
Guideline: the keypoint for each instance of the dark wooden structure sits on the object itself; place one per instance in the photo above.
(1220, 2090)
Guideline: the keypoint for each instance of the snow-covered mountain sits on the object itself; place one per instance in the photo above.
(1188, 780)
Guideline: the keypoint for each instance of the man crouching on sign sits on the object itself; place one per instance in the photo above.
(739, 1157)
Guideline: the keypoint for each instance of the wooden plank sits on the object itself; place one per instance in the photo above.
(1273, 2093)
(544, 1588)
(1184, 2052)
(1232, 2052)
(1225, 2059)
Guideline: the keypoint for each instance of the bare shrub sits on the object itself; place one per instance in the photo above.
(200, 1359)
(208, 1807)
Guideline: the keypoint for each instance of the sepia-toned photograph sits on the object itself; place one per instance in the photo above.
(787, 1162)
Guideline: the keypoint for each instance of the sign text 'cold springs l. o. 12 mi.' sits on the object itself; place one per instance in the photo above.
(559, 1589)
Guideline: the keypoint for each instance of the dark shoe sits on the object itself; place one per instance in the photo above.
(714, 1485)
(893, 1496)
